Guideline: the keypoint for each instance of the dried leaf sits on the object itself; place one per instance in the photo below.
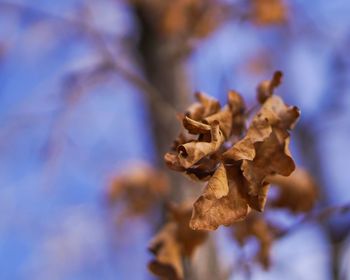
(273, 114)
(167, 263)
(173, 242)
(192, 152)
(264, 150)
(172, 161)
(224, 118)
(205, 106)
(255, 226)
(222, 202)
(271, 158)
(237, 107)
(235, 102)
(195, 127)
(138, 188)
(298, 192)
(266, 88)
(267, 12)
(194, 18)
(237, 175)
(188, 238)
(258, 131)
(204, 169)
(230, 117)
(211, 17)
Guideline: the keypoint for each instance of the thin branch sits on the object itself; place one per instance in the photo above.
(317, 216)
(98, 39)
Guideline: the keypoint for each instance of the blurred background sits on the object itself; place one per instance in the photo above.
(87, 88)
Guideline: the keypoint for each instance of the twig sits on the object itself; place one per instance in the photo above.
(98, 39)
(319, 215)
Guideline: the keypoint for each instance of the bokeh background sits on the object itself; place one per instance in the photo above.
(68, 124)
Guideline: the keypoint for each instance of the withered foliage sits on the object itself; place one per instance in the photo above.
(268, 12)
(174, 242)
(256, 227)
(239, 160)
(238, 153)
(139, 188)
(297, 192)
(196, 19)
(181, 19)
(266, 88)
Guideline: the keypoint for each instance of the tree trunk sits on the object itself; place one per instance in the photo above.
(167, 73)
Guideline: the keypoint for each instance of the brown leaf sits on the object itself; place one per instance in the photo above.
(267, 12)
(237, 107)
(204, 169)
(279, 114)
(195, 127)
(173, 242)
(222, 202)
(258, 131)
(264, 150)
(194, 18)
(183, 137)
(172, 161)
(224, 118)
(271, 158)
(273, 114)
(255, 226)
(230, 117)
(266, 88)
(257, 200)
(236, 175)
(205, 106)
(188, 238)
(192, 152)
(167, 263)
(235, 102)
(211, 16)
(298, 192)
(138, 188)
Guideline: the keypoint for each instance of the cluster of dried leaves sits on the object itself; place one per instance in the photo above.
(236, 166)
(240, 162)
(239, 156)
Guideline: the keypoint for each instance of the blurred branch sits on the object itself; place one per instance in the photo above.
(309, 149)
(77, 83)
(319, 216)
(98, 40)
(74, 87)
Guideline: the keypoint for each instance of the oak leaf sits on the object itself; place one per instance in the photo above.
(192, 152)
(167, 263)
(222, 201)
(205, 106)
(268, 12)
(236, 167)
(173, 242)
(139, 188)
(298, 191)
(264, 150)
(258, 228)
(266, 88)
